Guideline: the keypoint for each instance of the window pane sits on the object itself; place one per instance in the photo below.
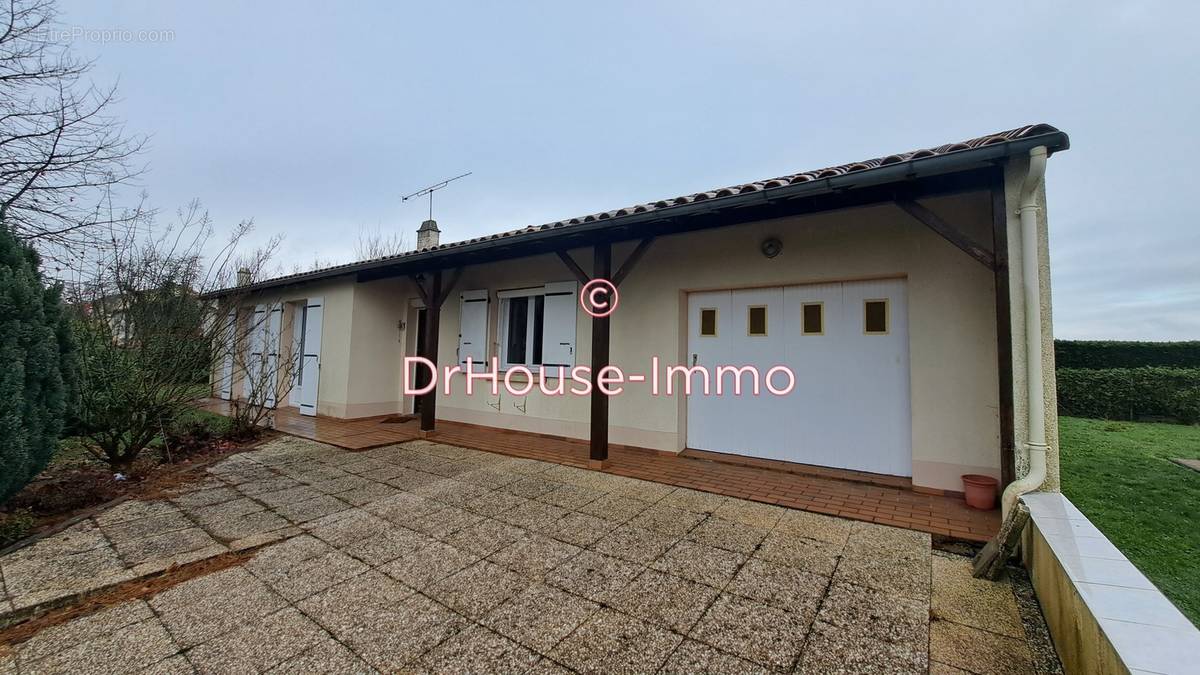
(518, 326)
(539, 309)
(757, 320)
(708, 322)
(875, 316)
(813, 318)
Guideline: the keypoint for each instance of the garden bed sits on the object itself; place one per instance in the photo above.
(77, 481)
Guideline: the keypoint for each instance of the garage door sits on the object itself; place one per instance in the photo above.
(847, 344)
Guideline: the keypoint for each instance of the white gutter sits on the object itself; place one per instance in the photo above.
(1035, 446)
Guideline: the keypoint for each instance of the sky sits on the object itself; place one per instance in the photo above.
(314, 119)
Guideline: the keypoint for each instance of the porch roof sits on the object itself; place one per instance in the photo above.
(944, 168)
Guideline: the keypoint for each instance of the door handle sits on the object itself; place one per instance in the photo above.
(693, 359)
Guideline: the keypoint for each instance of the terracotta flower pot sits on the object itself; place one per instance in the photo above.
(980, 491)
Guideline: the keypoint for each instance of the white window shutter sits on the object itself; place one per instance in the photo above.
(271, 349)
(472, 328)
(256, 340)
(558, 324)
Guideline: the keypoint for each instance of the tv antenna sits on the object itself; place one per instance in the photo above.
(431, 189)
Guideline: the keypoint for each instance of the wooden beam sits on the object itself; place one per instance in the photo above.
(632, 261)
(574, 267)
(598, 454)
(1004, 356)
(993, 558)
(454, 277)
(947, 231)
(420, 289)
(433, 316)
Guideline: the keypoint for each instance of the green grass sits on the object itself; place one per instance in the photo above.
(1120, 474)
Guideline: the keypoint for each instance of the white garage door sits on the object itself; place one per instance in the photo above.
(847, 344)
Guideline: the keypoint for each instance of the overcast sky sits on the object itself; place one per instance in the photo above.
(314, 122)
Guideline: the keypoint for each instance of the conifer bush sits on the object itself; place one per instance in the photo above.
(34, 342)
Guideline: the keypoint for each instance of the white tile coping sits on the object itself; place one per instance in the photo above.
(1148, 633)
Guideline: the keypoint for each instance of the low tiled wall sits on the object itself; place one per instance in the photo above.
(1104, 615)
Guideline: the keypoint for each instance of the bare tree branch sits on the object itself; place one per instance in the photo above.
(61, 149)
(374, 244)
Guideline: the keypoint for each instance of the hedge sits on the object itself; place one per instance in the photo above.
(1114, 354)
(1130, 393)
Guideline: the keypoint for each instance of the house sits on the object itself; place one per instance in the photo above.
(906, 298)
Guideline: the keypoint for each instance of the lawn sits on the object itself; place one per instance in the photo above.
(1121, 476)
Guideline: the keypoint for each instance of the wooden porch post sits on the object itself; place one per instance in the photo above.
(601, 269)
(432, 322)
(1003, 334)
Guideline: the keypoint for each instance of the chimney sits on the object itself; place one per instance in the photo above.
(427, 235)
(243, 277)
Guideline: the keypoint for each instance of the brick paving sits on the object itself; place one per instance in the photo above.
(426, 557)
(832, 492)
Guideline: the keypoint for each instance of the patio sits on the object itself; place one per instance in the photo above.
(436, 558)
(868, 497)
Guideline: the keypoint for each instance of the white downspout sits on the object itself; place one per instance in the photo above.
(1035, 446)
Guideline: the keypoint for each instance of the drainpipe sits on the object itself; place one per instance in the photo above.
(1035, 446)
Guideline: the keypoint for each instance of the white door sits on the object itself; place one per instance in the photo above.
(310, 365)
(225, 387)
(850, 407)
(256, 339)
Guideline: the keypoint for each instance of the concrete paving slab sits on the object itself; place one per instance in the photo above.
(696, 657)
(728, 535)
(664, 600)
(540, 616)
(610, 642)
(479, 650)
(978, 650)
(703, 564)
(478, 589)
(635, 544)
(203, 608)
(753, 631)
(534, 555)
(979, 603)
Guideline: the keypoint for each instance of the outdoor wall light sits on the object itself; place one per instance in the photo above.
(771, 247)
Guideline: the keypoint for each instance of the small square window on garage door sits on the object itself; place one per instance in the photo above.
(812, 318)
(875, 317)
(756, 320)
(708, 322)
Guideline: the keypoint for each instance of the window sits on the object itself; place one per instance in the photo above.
(537, 326)
(523, 342)
(708, 322)
(812, 318)
(756, 320)
(875, 317)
